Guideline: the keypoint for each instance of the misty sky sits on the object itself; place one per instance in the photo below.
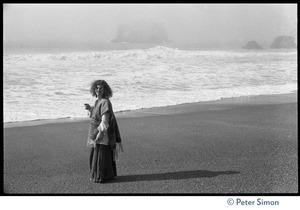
(185, 23)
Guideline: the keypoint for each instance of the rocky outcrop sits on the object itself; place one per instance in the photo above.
(282, 42)
(141, 33)
(252, 45)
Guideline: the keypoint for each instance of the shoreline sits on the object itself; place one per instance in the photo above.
(173, 109)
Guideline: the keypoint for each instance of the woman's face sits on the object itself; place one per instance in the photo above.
(98, 90)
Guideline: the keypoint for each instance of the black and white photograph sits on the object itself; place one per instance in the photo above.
(151, 99)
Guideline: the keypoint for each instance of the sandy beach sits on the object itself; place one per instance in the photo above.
(238, 145)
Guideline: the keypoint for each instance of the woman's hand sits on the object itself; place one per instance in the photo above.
(94, 144)
(91, 143)
(87, 107)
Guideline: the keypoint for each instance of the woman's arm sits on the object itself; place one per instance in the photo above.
(103, 127)
(89, 109)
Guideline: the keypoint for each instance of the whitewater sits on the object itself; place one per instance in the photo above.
(55, 85)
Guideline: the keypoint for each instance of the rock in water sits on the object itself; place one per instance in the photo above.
(252, 45)
(281, 42)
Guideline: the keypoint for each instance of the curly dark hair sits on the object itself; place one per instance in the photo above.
(106, 91)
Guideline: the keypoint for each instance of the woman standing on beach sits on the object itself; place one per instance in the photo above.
(104, 136)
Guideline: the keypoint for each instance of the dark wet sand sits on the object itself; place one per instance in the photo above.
(242, 145)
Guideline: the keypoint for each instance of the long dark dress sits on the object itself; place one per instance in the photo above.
(102, 165)
(102, 161)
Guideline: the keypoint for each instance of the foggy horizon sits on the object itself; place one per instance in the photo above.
(207, 24)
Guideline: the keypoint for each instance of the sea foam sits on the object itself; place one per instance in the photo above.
(56, 85)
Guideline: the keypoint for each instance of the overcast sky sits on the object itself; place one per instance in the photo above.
(183, 22)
